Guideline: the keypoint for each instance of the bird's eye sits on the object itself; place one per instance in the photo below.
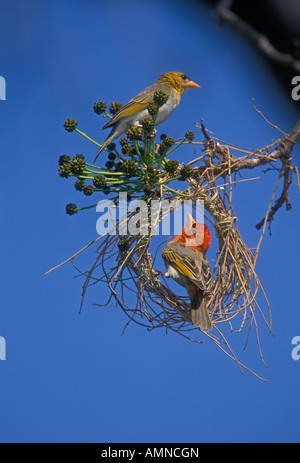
(184, 77)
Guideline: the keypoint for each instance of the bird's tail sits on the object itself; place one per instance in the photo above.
(200, 315)
(109, 139)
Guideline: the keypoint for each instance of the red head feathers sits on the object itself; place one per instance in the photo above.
(196, 235)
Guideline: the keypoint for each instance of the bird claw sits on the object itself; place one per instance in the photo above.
(158, 272)
(153, 134)
(150, 134)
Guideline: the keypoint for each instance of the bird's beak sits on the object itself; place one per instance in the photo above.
(189, 231)
(192, 84)
(191, 221)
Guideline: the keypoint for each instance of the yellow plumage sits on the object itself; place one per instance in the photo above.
(135, 111)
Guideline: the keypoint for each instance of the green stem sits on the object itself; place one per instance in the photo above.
(152, 149)
(176, 146)
(174, 191)
(146, 150)
(163, 156)
(137, 149)
(86, 207)
(87, 137)
(113, 181)
(117, 154)
(152, 139)
(160, 161)
(104, 172)
(168, 181)
(155, 115)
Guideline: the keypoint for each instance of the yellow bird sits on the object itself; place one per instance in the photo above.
(135, 111)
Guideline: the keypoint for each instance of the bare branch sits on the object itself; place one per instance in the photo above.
(282, 151)
(284, 198)
(225, 14)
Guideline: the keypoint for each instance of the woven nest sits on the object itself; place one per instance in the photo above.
(234, 286)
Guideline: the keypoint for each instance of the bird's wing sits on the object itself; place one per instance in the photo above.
(138, 103)
(189, 262)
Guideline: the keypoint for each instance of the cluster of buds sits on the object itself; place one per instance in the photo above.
(171, 166)
(143, 174)
(68, 167)
(166, 144)
(70, 125)
(100, 107)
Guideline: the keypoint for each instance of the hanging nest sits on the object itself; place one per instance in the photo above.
(127, 264)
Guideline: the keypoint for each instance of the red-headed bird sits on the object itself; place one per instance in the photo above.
(135, 111)
(186, 263)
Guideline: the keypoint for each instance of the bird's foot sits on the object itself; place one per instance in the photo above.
(153, 133)
(158, 272)
(150, 134)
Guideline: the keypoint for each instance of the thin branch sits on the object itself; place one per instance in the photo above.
(255, 160)
(225, 14)
(284, 198)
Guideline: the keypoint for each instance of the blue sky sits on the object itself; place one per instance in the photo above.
(71, 377)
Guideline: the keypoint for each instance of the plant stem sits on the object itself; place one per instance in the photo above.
(177, 146)
(173, 191)
(87, 137)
